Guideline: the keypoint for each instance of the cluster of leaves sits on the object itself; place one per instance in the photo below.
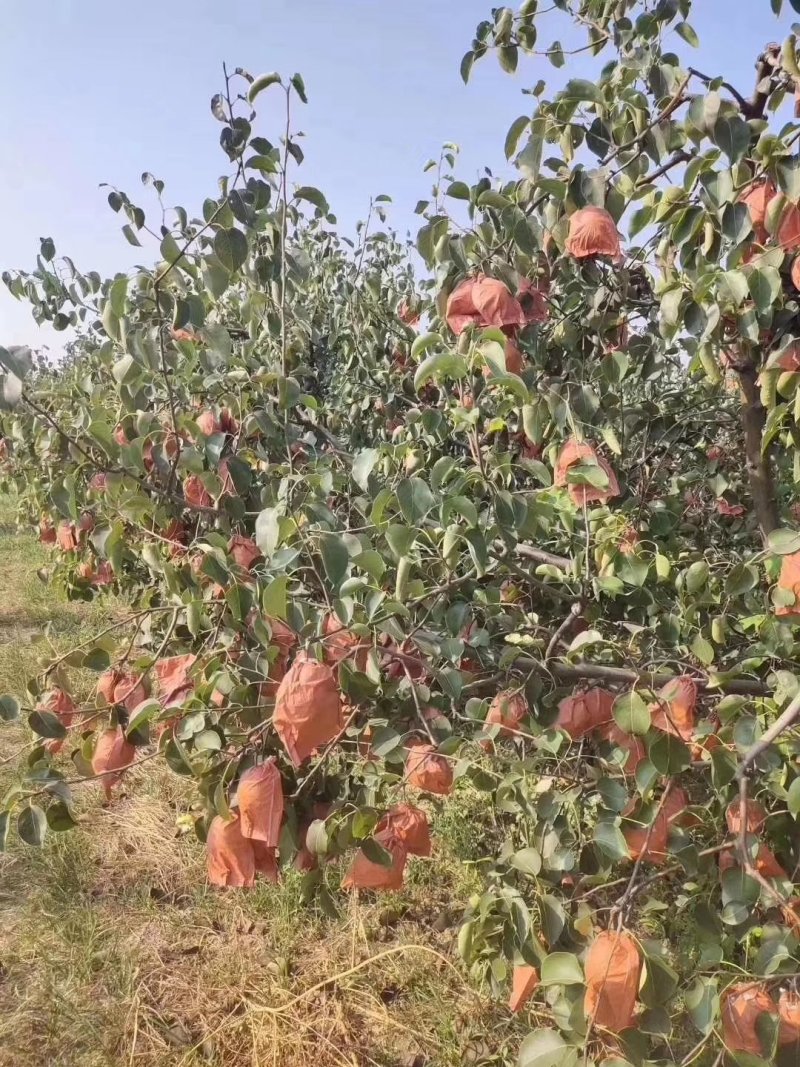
(265, 385)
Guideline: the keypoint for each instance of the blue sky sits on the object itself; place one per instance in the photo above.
(96, 91)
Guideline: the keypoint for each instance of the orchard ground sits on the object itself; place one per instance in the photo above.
(113, 950)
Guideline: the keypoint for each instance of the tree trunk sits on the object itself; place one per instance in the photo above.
(759, 465)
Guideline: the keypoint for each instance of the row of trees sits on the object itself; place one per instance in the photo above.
(524, 526)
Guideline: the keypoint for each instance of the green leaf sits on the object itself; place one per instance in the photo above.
(207, 741)
(274, 599)
(793, 798)
(376, 853)
(267, 533)
(415, 499)
(60, 818)
(400, 539)
(458, 191)
(372, 562)
(723, 768)
(735, 281)
(466, 66)
(640, 219)
(239, 600)
(697, 576)
(703, 649)
(555, 54)
(16, 360)
(32, 824)
(312, 196)
(561, 968)
(516, 130)
(784, 542)
(117, 296)
(553, 916)
(744, 577)
(631, 713)
(668, 754)
(46, 724)
(130, 236)
(684, 30)
(263, 82)
(610, 840)
(215, 278)
(580, 89)
(440, 365)
(660, 982)
(732, 135)
(588, 474)
(671, 306)
(317, 838)
(299, 87)
(702, 1002)
(9, 708)
(546, 1048)
(385, 741)
(789, 56)
(363, 465)
(423, 342)
(335, 557)
(508, 55)
(96, 659)
(230, 248)
(145, 713)
(528, 861)
(765, 286)
(529, 160)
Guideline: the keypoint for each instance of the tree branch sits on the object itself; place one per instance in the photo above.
(737, 96)
(787, 719)
(659, 172)
(623, 903)
(583, 671)
(563, 629)
(538, 554)
(768, 65)
(758, 463)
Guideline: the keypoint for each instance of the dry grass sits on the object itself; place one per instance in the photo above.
(113, 951)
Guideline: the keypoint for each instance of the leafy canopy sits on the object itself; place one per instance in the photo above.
(534, 510)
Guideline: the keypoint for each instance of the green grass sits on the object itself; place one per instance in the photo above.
(114, 951)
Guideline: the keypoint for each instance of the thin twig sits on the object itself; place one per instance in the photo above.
(786, 720)
(737, 96)
(563, 629)
(783, 723)
(108, 629)
(622, 904)
(323, 757)
(284, 220)
(398, 949)
(418, 706)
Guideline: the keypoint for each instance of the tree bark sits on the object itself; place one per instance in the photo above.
(759, 464)
(768, 65)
